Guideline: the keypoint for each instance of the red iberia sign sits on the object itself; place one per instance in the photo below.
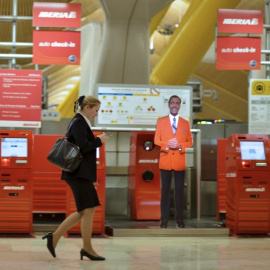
(238, 53)
(48, 14)
(240, 21)
(56, 47)
(20, 98)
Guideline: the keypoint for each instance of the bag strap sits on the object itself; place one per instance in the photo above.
(69, 126)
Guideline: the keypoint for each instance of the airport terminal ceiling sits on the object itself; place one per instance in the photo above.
(231, 86)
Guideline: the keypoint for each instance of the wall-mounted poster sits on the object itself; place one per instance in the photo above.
(20, 98)
(259, 106)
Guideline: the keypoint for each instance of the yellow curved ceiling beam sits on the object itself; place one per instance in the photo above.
(66, 106)
(60, 84)
(64, 74)
(68, 86)
(157, 18)
(189, 43)
(96, 16)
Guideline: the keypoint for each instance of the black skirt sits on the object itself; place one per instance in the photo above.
(84, 192)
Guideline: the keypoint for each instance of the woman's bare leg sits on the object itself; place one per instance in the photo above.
(87, 228)
(67, 224)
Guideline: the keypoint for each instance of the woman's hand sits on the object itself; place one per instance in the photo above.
(104, 137)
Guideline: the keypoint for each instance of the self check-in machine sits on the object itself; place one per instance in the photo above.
(144, 177)
(52, 197)
(16, 156)
(31, 186)
(49, 191)
(248, 184)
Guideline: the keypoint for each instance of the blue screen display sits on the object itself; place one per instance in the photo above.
(252, 150)
(14, 147)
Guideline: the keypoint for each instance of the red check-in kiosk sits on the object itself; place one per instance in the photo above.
(16, 155)
(100, 185)
(248, 184)
(144, 177)
(49, 191)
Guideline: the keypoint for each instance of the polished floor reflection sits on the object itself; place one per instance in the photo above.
(194, 253)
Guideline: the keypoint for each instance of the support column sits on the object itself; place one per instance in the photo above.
(124, 55)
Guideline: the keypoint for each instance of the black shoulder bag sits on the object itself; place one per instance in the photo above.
(65, 154)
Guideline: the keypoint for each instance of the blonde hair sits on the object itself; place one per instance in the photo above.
(83, 101)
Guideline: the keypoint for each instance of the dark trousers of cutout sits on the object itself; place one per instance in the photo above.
(166, 179)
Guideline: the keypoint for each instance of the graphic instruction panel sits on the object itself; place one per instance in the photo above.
(139, 105)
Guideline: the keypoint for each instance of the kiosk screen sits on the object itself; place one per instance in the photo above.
(13, 147)
(252, 150)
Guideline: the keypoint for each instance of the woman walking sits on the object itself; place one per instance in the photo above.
(81, 181)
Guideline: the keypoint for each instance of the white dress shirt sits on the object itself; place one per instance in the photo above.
(176, 118)
(86, 119)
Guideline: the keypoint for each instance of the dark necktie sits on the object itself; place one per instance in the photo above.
(174, 125)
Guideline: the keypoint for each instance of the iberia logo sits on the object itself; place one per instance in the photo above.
(46, 14)
(60, 15)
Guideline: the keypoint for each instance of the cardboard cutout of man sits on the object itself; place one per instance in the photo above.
(173, 135)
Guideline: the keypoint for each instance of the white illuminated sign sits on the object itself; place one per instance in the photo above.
(139, 105)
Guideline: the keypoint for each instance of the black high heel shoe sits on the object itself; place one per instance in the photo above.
(91, 257)
(50, 247)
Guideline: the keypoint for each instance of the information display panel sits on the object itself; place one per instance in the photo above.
(139, 105)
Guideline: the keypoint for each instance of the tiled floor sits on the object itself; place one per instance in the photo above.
(140, 253)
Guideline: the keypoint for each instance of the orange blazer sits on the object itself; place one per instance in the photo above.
(172, 159)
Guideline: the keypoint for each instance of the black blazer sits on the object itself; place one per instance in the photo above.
(81, 134)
